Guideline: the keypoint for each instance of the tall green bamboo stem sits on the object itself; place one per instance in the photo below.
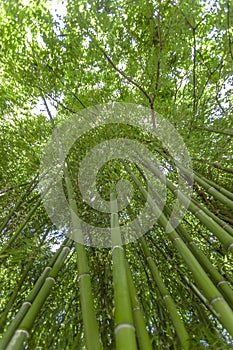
(144, 340)
(219, 221)
(15, 209)
(92, 336)
(169, 302)
(215, 276)
(167, 299)
(218, 187)
(209, 188)
(23, 322)
(124, 325)
(213, 295)
(214, 227)
(21, 227)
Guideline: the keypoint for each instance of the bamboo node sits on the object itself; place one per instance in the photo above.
(218, 298)
(22, 331)
(117, 246)
(230, 246)
(136, 308)
(199, 211)
(123, 325)
(85, 274)
(48, 268)
(66, 249)
(27, 303)
(50, 278)
(221, 282)
(176, 239)
(149, 257)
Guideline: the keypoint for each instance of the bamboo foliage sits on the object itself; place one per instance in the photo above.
(173, 287)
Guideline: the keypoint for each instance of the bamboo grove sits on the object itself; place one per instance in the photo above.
(172, 287)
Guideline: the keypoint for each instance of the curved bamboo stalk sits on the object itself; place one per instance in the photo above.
(214, 227)
(215, 276)
(26, 315)
(211, 190)
(213, 295)
(219, 221)
(218, 187)
(15, 209)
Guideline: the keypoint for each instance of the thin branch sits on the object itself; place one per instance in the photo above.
(48, 111)
(62, 105)
(133, 82)
(228, 29)
(228, 132)
(160, 52)
(73, 94)
(55, 100)
(130, 80)
(218, 92)
(195, 102)
(12, 188)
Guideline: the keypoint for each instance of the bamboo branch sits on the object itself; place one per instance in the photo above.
(228, 29)
(129, 79)
(133, 82)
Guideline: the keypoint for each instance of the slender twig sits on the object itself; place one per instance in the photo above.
(228, 29)
(133, 82)
(194, 73)
(129, 79)
(55, 100)
(62, 82)
(160, 52)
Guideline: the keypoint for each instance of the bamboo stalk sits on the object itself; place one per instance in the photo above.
(144, 340)
(14, 210)
(124, 326)
(167, 299)
(87, 302)
(215, 276)
(214, 227)
(218, 187)
(14, 295)
(219, 221)
(210, 189)
(21, 227)
(56, 264)
(213, 295)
